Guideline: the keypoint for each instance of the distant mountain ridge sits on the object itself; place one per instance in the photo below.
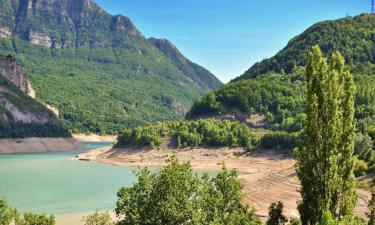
(354, 37)
(192, 70)
(97, 69)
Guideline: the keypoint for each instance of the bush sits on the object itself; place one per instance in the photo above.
(207, 132)
(275, 214)
(360, 168)
(177, 196)
(280, 140)
(98, 219)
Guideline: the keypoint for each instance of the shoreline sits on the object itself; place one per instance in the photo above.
(267, 176)
(94, 138)
(37, 145)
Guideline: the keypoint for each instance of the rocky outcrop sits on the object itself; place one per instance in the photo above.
(5, 32)
(37, 38)
(10, 69)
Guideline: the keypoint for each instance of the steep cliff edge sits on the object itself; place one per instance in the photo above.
(9, 68)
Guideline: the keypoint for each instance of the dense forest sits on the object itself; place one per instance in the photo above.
(97, 69)
(208, 132)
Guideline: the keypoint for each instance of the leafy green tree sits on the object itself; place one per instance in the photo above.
(33, 219)
(176, 195)
(325, 161)
(275, 214)
(6, 213)
(98, 219)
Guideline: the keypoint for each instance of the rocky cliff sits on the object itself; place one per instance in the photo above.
(10, 69)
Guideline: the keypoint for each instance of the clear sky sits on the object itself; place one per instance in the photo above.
(228, 36)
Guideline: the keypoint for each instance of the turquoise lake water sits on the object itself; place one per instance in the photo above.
(52, 183)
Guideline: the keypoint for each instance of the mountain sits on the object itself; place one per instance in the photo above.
(20, 114)
(198, 74)
(97, 69)
(353, 37)
(276, 86)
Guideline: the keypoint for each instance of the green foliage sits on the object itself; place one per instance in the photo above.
(207, 132)
(280, 97)
(176, 195)
(98, 219)
(352, 36)
(280, 140)
(100, 72)
(325, 160)
(364, 149)
(33, 219)
(9, 216)
(6, 213)
(275, 214)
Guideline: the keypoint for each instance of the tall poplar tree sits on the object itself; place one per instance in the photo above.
(325, 161)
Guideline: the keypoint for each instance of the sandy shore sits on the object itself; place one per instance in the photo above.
(76, 218)
(267, 176)
(94, 138)
(39, 145)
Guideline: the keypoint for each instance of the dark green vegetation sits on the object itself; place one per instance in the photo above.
(9, 216)
(353, 37)
(325, 161)
(208, 132)
(97, 69)
(176, 195)
(275, 214)
(41, 122)
(276, 86)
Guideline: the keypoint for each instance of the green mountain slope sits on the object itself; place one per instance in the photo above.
(97, 69)
(195, 72)
(21, 115)
(275, 86)
(353, 37)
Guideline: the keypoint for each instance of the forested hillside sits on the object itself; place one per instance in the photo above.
(354, 37)
(96, 69)
(276, 87)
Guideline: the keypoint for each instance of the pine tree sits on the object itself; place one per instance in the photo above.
(325, 161)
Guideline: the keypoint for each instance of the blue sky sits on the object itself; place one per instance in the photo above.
(228, 36)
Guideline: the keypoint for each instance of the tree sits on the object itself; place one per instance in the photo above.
(325, 161)
(275, 214)
(33, 219)
(176, 195)
(6, 213)
(98, 219)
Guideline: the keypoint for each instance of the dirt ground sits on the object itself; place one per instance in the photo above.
(267, 176)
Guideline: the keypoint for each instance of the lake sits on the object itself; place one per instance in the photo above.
(52, 183)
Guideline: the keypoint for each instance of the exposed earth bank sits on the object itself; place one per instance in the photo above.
(26, 145)
(267, 176)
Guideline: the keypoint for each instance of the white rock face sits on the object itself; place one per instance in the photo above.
(38, 38)
(5, 32)
(22, 116)
(12, 71)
